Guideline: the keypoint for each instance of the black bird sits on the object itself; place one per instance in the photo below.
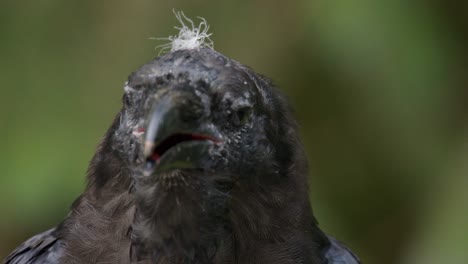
(203, 164)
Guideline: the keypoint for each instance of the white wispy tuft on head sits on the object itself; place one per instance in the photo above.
(189, 37)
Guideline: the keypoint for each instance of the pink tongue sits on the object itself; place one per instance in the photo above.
(202, 137)
(175, 139)
(155, 157)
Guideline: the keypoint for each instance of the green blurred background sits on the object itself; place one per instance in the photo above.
(379, 89)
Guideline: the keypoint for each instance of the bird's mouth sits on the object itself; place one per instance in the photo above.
(176, 135)
(154, 152)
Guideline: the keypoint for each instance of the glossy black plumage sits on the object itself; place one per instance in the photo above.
(203, 164)
(42, 248)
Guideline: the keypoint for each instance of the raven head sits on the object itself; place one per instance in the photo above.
(214, 156)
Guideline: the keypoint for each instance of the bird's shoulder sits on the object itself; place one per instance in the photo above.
(43, 248)
(338, 253)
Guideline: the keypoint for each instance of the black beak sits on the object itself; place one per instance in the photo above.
(177, 135)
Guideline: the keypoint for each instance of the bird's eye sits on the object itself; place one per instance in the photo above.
(241, 115)
(127, 101)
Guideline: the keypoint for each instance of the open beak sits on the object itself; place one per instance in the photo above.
(177, 136)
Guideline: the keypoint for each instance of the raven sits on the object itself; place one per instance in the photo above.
(203, 164)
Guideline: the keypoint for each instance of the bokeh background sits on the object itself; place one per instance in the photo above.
(379, 89)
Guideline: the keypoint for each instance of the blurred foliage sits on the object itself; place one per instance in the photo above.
(379, 89)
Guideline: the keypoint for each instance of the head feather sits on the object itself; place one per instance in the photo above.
(190, 36)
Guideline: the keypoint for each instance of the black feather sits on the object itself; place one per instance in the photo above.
(44, 248)
(230, 186)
